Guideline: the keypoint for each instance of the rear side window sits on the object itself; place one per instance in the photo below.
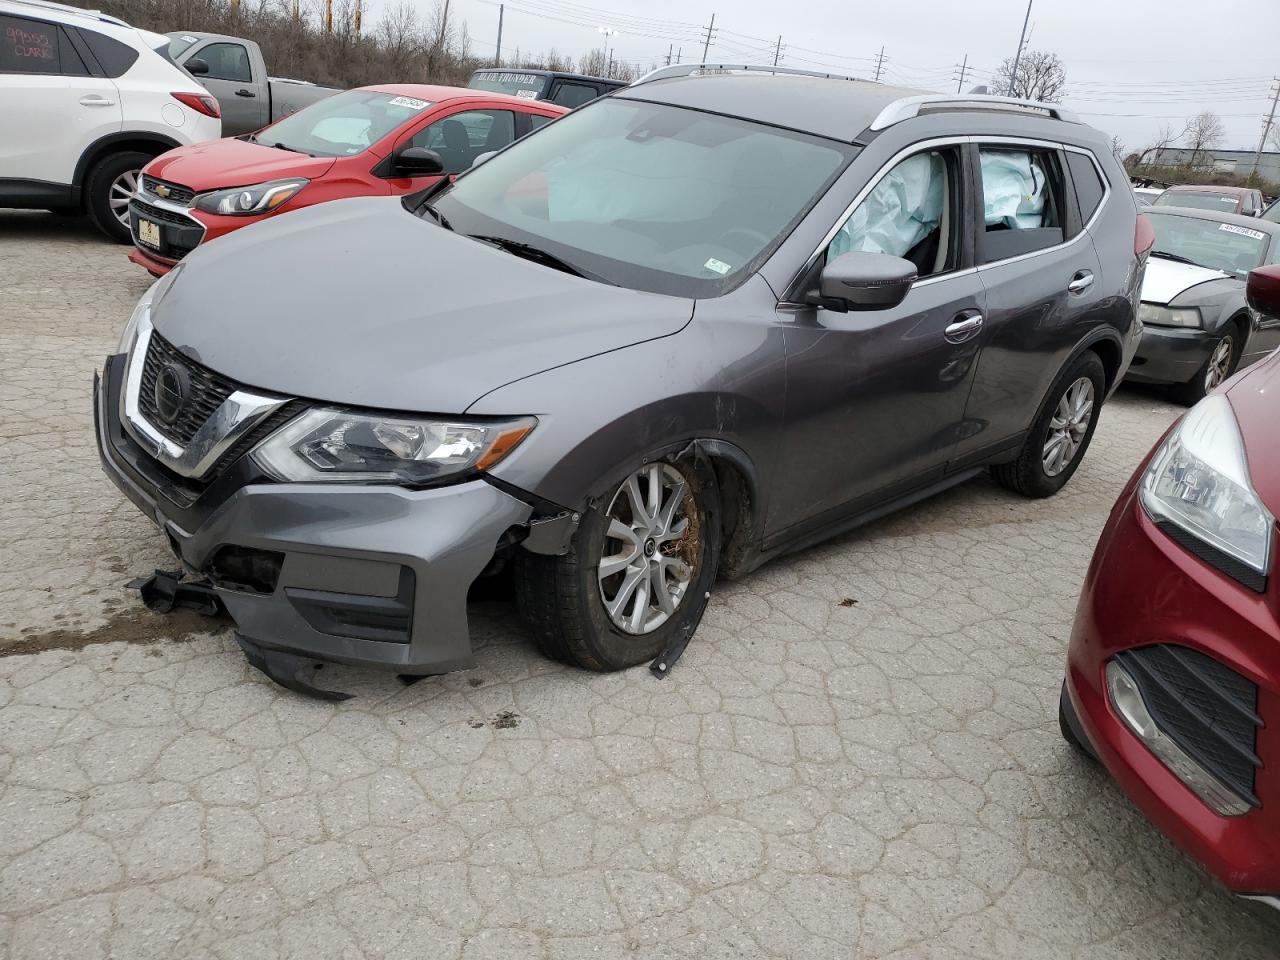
(35, 47)
(573, 94)
(1089, 187)
(537, 120)
(227, 61)
(114, 57)
(1023, 199)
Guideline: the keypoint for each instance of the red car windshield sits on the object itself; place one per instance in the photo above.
(342, 125)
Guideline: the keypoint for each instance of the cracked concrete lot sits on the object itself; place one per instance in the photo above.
(857, 757)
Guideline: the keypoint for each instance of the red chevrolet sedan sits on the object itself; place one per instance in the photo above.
(383, 140)
(1173, 675)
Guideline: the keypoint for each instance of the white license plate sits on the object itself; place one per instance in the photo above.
(149, 233)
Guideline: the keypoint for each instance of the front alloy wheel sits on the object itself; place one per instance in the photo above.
(1219, 366)
(650, 551)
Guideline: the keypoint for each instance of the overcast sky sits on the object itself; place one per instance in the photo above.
(1131, 64)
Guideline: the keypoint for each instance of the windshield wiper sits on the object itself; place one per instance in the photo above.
(1178, 258)
(529, 252)
(281, 146)
(440, 218)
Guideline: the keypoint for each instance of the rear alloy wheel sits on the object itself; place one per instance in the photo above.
(1216, 371)
(108, 190)
(638, 574)
(1060, 435)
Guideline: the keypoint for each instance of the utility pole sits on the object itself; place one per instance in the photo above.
(678, 54)
(297, 12)
(963, 67)
(605, 34)
(669, 48)
(609, 71)
(1266, 127)
(879, 64)
(710, 32)
(497, 57)
(1017, 57)
(777, 51)
(328, 16)
(359, 13)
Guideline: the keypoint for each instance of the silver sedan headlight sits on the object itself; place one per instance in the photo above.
(331, 446)
(1199, 482)
(1154, 315)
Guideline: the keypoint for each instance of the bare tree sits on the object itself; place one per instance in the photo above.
(1204, 132)
(1117, 148)
(1166, 136)
(1041, 76)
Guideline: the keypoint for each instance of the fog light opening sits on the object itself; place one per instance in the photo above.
(1126, 698)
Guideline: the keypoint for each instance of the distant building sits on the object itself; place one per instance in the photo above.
(1240, 162)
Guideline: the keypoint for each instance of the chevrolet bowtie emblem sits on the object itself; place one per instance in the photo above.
(162, 191)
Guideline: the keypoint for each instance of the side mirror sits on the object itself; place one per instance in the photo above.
(1263, 291)
(418, 162)
(483, 157)
(864, 281)
(196, 67)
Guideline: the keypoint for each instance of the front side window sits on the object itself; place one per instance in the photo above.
(344, 124)
(227, 61)
(1022, 201)
(912, 212)
(1233, 249)
(649, 196)
(462, 137)
(573, 94)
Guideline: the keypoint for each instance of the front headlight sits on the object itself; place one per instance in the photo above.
(131, 328)
(1199, 482)
(340, 445)
(250, 201)
(1157, 316)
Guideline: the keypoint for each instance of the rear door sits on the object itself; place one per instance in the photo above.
(230, 79)
(1044, 287)
(51, 105)
(875, 398)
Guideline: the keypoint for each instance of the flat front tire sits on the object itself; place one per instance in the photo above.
(637, 575)
(1060, 435)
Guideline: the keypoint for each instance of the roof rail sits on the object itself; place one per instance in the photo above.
(688, 69)
(78, 11)
(909, 107)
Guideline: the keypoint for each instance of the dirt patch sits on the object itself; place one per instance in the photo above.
(136, 625)
(505, 720)
(848, 602)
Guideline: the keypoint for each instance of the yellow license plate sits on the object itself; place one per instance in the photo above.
(149, 233)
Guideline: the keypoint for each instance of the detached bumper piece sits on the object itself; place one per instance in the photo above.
(1205, 713)
(165, 590)
(287, 669)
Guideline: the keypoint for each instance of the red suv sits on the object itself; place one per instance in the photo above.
(372, 141)
(1173, 675)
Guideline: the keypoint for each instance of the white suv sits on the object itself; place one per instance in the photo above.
(85, 102)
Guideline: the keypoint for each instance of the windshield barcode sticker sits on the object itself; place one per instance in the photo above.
(410, 102)
(1243, 231)
(527, 94)
(719, 266)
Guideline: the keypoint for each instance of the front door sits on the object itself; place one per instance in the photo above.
(230, 79)
(875, 399)
(458, 137)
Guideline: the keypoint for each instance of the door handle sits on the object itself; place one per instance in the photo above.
(964, 326)
(1081, 282)
(245, 93)
(93, 100)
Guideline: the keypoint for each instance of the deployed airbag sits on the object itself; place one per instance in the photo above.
(900, 211)
(1013, 187)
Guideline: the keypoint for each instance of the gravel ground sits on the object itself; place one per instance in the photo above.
(819, 777)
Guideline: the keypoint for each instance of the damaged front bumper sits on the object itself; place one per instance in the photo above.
(362, 574)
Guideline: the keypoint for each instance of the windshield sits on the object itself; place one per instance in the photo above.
(344, 124)
(1273, 213)
(527, 85)
(649, 196)
(179, 43)
(1222, 202)
(1220, 246)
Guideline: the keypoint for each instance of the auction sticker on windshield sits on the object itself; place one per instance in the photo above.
(410, 102)
(1243, 231)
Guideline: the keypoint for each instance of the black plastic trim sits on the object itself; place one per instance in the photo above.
(383, 619)
(1240, 572)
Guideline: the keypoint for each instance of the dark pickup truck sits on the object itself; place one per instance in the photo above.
(233, 70)
(567, 89)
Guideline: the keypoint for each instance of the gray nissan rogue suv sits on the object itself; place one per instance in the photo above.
(713, 317)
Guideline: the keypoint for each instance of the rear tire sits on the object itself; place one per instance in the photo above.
(1220, 365)
(563, 598)
(1062, 429)
(105, 192)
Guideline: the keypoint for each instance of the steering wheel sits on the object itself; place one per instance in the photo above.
(758, 238)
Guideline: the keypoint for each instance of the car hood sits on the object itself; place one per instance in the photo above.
(360, 302)
(233, 163)
(1166, 279)
(1252, 395)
